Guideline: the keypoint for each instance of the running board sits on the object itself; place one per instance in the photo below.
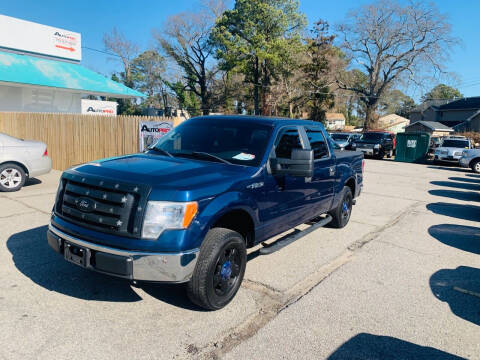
(279, 244)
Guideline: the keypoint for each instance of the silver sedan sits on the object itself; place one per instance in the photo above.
(21, 159)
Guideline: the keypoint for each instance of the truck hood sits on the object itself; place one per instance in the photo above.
(171, 178)
(342, 143)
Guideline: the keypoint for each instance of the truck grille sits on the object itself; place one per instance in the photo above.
(102, 205)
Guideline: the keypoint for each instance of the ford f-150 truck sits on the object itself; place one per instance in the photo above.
(186, 210)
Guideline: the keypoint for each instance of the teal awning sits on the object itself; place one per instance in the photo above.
(23, 69)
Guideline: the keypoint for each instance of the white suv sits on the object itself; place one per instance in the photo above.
(451, 149)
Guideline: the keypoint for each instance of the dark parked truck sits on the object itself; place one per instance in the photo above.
(186, 210)
(376, 143)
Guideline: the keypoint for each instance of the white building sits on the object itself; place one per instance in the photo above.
(40, 71)
(335, 121)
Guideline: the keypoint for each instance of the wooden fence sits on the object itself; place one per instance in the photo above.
(74, 138)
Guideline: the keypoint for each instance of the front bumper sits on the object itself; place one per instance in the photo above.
(132, 265)
(448, 158)
(369, 151)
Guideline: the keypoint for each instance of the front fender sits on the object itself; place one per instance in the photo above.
(220, 206)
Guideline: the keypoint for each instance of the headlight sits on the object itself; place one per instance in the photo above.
(161, 215)
(377, 146)
(354, 145)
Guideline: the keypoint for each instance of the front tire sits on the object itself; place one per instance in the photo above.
(381, 154)
(476, 166)
(219, 270)
(12, 177)
(341, 214)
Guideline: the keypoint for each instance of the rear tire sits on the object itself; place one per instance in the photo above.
(341, 214)
(219, 270)
(476, 166)
(12, 177)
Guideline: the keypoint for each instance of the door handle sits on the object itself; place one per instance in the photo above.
(331, 169)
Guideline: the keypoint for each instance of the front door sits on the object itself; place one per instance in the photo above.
(284, 204)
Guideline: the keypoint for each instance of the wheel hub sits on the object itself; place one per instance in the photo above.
(226, 270)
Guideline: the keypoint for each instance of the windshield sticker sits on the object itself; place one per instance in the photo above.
(244, 157)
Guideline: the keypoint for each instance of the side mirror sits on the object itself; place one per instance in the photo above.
(300, 164)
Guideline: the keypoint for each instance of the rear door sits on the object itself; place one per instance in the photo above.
(324, 175)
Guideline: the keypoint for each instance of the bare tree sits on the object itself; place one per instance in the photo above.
(392, 43)
(186, 40)
(118, 44)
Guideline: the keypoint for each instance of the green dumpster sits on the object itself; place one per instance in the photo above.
(412, 147)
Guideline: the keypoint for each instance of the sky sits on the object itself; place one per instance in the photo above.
(136, 19)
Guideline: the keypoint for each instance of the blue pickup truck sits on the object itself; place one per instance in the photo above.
(186, 210)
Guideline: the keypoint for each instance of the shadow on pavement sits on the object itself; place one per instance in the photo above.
(466, 238)
(476, 176)
(449, 168)
(459, 185)
(376, 347)
(459, 211)
(449, 285)
(34, 258)
(173, 294)
(466, 179)
(32, 181)
(458, 195)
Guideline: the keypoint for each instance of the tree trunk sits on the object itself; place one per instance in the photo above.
(266, 106)
(370, 118)
(204, 97)
(256, 79)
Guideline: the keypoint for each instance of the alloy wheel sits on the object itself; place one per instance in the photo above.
(10, 178)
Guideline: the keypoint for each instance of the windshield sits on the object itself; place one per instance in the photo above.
(455, 143)
(340, 137)
(372, 136)
(238, 142)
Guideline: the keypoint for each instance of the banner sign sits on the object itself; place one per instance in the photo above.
(97, 107)
(151, 131)
(22, 35)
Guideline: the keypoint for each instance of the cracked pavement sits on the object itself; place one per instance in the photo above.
(389, 285)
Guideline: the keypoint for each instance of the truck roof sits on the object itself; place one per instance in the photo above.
(261, 119)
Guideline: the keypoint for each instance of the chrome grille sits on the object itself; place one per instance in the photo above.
(102, 205)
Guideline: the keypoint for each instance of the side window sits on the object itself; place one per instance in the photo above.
(317, 143)
(287, 140)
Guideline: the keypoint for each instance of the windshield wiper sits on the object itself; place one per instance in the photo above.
(204, 155)
(211, 156)
(164, 152)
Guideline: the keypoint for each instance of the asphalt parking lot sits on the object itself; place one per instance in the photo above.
(400, 281)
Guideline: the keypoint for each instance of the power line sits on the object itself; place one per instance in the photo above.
(100, 51)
